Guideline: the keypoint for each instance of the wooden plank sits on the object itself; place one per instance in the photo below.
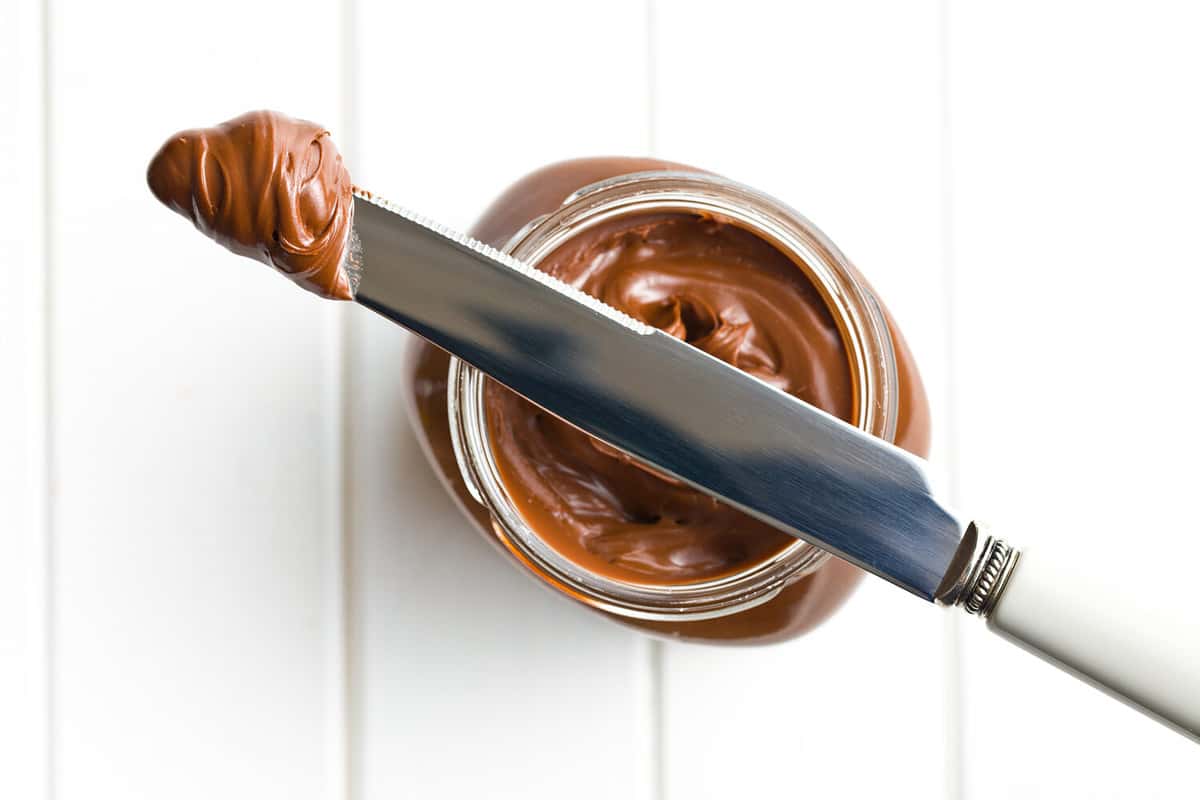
(469, 680)
(834, 108)
(1075, 167)
(24, 654)
(193, 424)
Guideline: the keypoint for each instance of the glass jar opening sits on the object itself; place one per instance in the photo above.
(860, 321)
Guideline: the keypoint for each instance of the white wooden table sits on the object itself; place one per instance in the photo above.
(225, 570)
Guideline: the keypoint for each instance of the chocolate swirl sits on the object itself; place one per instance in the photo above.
(722, 289)
(268, 187)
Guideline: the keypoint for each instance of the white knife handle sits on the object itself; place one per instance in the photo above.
(1121, 633)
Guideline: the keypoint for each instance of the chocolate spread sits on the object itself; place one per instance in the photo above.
(723, 290)
(800, 606)
(268, 187)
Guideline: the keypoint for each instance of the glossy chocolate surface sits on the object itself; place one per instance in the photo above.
(721, 289)
(267, 187)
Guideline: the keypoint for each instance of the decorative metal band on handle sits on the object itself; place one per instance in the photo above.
(988, 577)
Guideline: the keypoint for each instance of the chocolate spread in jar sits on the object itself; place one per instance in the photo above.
(723, 290)
(268, 187)
(801, 605)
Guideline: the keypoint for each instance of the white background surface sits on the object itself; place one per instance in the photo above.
(226, 571)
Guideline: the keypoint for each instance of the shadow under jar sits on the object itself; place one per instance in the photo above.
(731, 271)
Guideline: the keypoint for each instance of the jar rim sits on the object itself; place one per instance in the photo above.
(862, 325)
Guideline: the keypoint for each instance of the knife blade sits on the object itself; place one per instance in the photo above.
(664, 402)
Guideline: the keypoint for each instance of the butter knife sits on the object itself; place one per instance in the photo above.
(767, 453)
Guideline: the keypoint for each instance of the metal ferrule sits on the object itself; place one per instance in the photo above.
(987, 577)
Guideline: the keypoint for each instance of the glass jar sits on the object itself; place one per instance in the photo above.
(773, 599)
